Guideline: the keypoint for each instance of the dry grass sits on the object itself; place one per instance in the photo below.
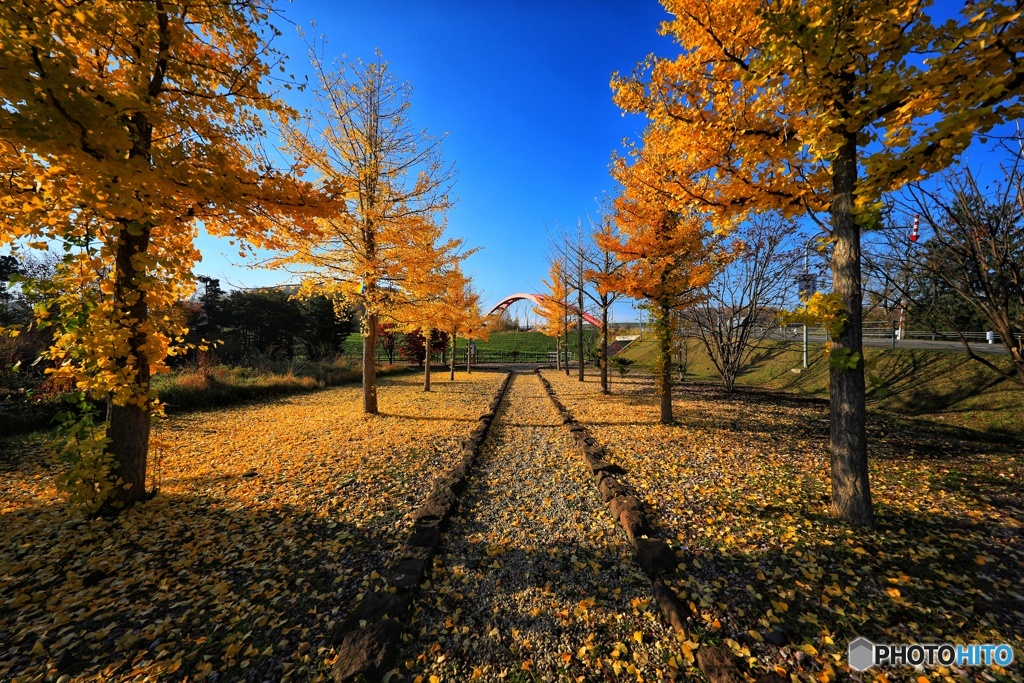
(196, 388)
(945, 387)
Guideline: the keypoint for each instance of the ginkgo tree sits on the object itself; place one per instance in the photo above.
(552, 309)
(431, 291)
(462, 315)
(393, 185)
(123, 126)
(822, 107)
(474, 327)
(667, 258)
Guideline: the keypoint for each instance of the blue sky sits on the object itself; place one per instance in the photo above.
(521, 90)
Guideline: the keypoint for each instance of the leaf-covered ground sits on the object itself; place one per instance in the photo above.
(269, 521)
(534, 581)
(741, 484)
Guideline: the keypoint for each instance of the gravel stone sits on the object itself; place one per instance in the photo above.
(533, 575)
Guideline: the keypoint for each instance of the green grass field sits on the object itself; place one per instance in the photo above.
(498, 342)
(526, 342)
(944, 386)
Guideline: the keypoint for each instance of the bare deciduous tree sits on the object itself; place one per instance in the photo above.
(969, 266)
(741, 304)
(602, 263)
(586, 264)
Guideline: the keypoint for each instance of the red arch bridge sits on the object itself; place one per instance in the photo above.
(538, 299)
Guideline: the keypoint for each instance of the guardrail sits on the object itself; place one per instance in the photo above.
(975, 337)
(481, 356)
(870, 330)
(885, 330)
(489, 356)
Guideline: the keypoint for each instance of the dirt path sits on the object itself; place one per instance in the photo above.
(533, 580)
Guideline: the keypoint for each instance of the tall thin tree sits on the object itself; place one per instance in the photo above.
(394, 185)
(668, 259)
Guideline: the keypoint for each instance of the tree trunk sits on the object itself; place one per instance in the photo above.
(469, 357)
(451, 375)
(565, 331)
(663, 331)
(129, 424)
(129, 444)
(558, 352)
(605, 389)
(730, 365)
(1014, 347)
(851, 495)
(579, 331)
(370, 366)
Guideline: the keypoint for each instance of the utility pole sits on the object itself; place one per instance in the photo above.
(808, 286)
(805, 345)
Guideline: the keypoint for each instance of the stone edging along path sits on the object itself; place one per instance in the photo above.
(653, 554)
(368, 639)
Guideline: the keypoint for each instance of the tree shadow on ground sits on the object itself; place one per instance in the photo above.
(897, 584)
(21, 454)
(767, 555)
(588, 593)
(885, 585)
(549, 425)
(911, 376)
(187, 579)
(623, 423)
(761, 550)
(921, 437)
(426, 417)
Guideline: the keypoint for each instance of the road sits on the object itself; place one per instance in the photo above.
(915, 344)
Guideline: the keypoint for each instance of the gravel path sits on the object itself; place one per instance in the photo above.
(533, 580)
